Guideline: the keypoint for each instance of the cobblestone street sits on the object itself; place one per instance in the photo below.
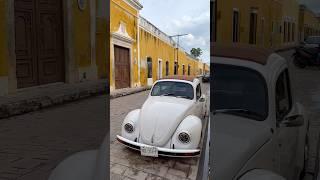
(129, 164)
(31, 145)
(306, 83)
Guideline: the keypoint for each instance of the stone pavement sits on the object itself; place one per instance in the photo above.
(31, 145)
(129, 164)
(306, 84)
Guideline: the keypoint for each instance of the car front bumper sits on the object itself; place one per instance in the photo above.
(161, 151)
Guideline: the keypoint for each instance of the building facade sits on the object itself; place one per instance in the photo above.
(274, 24)
(309, 23)
(47, 42)
(140, 53)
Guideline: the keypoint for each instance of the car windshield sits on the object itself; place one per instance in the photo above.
(174, 89)
(239, 91)
(313, 40)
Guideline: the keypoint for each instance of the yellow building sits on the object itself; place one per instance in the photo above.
(270, 23)
(309, 23)
(63, 46)
(141, 53)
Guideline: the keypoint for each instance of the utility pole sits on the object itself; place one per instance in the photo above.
(178, 36)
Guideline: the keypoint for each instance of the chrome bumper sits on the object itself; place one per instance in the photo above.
(161, 151)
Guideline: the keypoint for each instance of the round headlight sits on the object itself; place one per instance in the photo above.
(129, 128)
(184, 137)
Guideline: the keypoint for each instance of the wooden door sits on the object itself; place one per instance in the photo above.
(38, 42)
(122, 67)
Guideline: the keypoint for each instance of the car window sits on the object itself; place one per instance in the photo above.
(313, 40)
(240, 91)
(198, 91)
(283, 96)
(172, 88)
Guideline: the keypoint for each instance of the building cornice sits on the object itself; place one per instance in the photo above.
(135, 4)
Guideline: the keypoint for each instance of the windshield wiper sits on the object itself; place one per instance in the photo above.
(242, 111)
(168, 94)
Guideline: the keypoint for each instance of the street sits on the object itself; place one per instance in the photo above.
(31, 145)
(306, 85)
(129, 164)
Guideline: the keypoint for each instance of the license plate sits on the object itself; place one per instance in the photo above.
(149, 151)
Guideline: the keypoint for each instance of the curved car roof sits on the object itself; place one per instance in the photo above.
(190, 79)
(180, 77)
(242, 52)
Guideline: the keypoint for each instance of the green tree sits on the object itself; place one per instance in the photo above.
(196, 52)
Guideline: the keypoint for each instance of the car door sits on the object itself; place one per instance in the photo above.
(286, 136)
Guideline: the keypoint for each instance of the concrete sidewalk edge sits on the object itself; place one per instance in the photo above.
(24, 102)
(127, 91)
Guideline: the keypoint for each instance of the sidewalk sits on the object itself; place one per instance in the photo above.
(127, 91)
(36, 98)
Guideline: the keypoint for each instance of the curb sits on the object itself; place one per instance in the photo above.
(39, 102)
(126, 92)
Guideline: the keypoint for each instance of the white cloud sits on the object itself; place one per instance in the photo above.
(180, 17)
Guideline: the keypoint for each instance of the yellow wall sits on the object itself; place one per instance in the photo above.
(81, 33)
(225, 19)
(102, 47)
(311, 22)
(3, 40)
(152, 46)
(121, 12)
(271, 14)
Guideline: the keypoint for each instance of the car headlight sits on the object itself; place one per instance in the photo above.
(184, 137)
(129, 127)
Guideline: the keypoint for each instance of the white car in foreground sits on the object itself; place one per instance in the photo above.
(169, 122)
(260, 130)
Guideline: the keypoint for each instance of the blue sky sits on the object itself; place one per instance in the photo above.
(180, 17)
(314, 5)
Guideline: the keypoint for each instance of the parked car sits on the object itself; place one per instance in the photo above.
(260, 130)
(311, 42)
(169, 122)
(308, 53)
(206, 77)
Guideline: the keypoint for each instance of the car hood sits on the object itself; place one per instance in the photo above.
(235, 141)
(160, 117)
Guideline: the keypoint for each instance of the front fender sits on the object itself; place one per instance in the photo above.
(133, 118)
(191, 125)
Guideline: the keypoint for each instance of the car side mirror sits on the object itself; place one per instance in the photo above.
(292, 121)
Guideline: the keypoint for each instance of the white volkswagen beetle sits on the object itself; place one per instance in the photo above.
(260, 130)
(169, 122)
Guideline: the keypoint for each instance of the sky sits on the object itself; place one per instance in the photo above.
(314, 5)
(182, 17)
